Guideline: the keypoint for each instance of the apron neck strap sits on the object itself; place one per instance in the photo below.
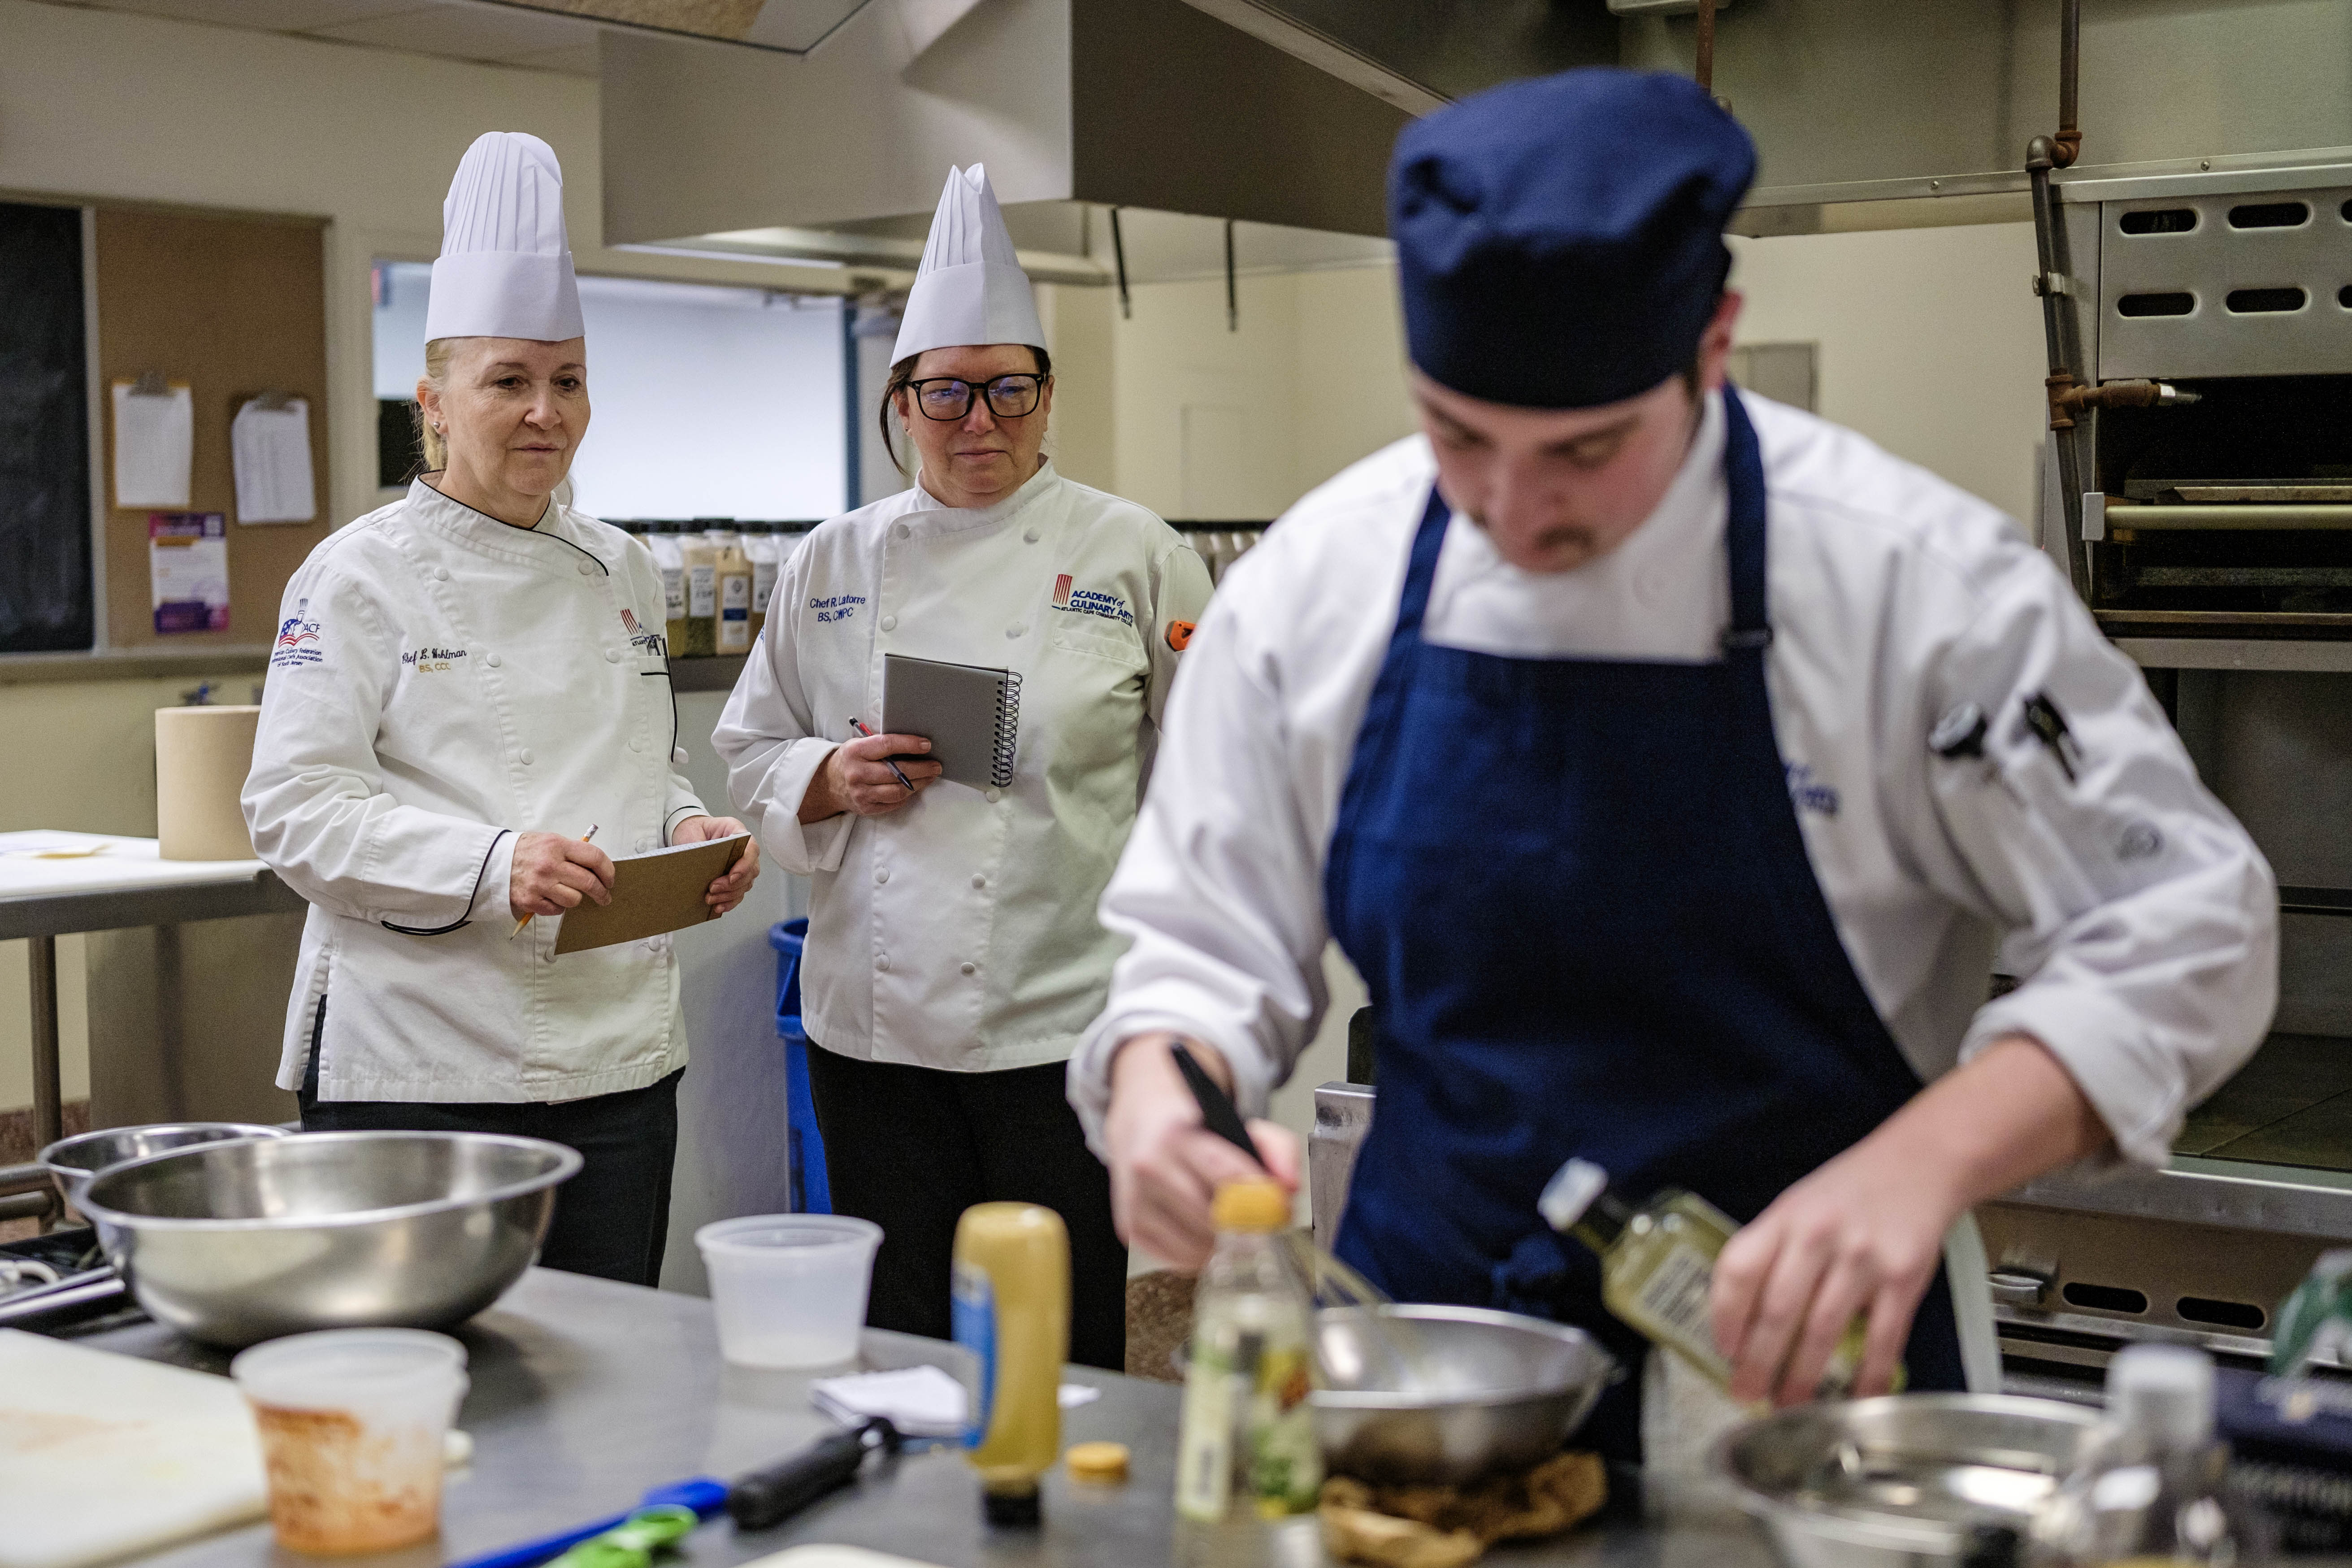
(1743, 473)
(1427, 541)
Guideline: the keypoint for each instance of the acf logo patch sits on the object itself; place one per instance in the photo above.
(298, 641)
(1179, 635)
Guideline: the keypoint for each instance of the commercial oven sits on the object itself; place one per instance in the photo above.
(2209, 426)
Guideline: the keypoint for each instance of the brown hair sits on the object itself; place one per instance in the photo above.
(429, 441)
(902, 375)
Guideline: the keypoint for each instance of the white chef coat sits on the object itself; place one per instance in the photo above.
(958, 931)
(2141, 919)
(441, 682)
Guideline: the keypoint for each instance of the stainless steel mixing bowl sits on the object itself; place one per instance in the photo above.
(1896, 1483)
(1476, 1391)
(72, 1161)
(234, 1243)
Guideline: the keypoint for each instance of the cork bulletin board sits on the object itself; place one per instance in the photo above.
(231, 307)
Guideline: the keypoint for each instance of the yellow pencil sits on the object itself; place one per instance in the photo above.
(587, 837)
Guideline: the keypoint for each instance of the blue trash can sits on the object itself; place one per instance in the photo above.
(812, 1193)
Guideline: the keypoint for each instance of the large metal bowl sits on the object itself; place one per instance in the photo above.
(72, 1161)
(1476, 1392)
(235, 1243)
(1897, 1482)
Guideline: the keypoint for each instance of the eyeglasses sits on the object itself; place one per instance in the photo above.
(946, 397)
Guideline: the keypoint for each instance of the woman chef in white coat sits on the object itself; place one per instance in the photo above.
(464, 684)
(953, 955)
(1671, 802)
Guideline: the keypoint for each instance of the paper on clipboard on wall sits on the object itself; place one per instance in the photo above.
(154, 443)
(653, 894)
(270, 447)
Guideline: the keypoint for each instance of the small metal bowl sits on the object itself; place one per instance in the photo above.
(72, 1161)
(1897, 1482)
(238, 1242)
(1485, 1391)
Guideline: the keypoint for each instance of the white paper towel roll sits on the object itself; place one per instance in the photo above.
(201, 755)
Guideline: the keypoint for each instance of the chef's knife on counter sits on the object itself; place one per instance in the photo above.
(759, 1500)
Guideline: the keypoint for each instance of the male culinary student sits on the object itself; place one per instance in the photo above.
(1669, 762)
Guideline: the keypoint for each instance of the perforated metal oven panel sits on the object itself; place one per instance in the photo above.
(2239, 283)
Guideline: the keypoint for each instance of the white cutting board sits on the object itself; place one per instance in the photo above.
(832, 1557)
(102, 1456)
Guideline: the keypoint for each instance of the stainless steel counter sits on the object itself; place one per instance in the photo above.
(585, 1394)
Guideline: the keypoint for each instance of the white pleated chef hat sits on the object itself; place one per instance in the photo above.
(971, 289)
(505, 269)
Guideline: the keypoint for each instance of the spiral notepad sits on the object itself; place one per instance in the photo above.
(969, 712)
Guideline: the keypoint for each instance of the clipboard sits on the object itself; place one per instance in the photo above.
(652, 894)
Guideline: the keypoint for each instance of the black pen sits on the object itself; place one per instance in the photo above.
(887, 763)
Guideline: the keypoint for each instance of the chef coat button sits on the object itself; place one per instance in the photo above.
(889, 623)
(900, 530)
(881, 876)
(645, 846)
(1030, 535)
(978, 881)
(995, 795)
(636, 742)
(523, 756)
(440, 573)
(970, 968)
(612, 655)
(493, 661)
(1016, 629)
(883, 963)
(585, 569)
(679, 756)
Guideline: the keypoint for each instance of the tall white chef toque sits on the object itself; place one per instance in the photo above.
(971, 289)
(505, 269)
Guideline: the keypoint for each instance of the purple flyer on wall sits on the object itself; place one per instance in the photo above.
(187, 567)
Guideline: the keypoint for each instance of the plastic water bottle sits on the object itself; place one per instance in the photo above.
(1248, 1469)
(2150, 1492)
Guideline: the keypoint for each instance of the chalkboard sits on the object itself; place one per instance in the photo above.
(46, 601)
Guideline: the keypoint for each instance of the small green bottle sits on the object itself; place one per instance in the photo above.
(1657, 1267)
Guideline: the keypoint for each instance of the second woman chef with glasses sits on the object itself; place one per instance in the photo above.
(954, 955)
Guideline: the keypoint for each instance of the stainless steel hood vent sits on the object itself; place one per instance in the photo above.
(1127, 103)
(1853, 102)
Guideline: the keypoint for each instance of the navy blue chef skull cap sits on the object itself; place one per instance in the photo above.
(1559, 240)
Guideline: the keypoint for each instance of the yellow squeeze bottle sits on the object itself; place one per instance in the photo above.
(1012, 1311)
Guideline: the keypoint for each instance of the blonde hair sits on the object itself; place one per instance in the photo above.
(435, 446)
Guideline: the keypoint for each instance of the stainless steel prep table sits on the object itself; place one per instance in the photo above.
(41, 900)
(586, 1392)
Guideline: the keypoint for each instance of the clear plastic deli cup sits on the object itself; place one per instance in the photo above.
(790, 1289)
(354, 1425)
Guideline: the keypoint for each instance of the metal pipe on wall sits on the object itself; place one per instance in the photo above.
(2054, 283)
(1233, 292)
(1119, 257)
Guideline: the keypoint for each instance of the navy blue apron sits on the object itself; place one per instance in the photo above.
(1579, 895)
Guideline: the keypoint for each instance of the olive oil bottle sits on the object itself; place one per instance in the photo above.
(1657, 1267)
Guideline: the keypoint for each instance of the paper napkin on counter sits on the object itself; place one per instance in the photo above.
(920, 1401)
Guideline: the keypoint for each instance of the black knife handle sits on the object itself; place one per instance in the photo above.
(767, 1498)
